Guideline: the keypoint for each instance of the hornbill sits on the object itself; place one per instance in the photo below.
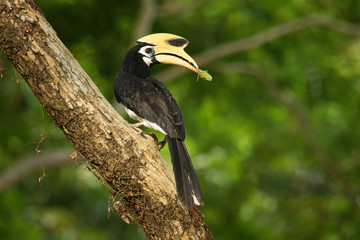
(149, 102)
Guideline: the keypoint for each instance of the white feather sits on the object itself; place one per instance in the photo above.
(147, 57)
(144, 122)
(147, 60)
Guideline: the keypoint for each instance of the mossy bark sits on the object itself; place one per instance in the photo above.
(128, 162)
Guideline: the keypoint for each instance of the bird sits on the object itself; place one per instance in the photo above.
(150, 103)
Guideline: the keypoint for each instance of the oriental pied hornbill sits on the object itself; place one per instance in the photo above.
(150, 103)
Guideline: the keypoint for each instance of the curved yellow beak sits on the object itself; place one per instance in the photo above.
(169, 49)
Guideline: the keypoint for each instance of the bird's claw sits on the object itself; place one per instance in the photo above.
(160, 144)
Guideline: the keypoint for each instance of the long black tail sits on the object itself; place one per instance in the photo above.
(187, 184)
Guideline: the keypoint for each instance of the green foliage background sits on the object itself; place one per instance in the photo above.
(274, 137)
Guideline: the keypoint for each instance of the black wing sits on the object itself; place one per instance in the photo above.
(150, 99)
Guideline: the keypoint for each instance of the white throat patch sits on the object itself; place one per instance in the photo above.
(148, 53)
(147, 61)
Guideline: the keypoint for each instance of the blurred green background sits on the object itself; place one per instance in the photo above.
(274, 137)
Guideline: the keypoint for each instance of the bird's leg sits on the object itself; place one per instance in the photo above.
(160, 144)
(136, 126)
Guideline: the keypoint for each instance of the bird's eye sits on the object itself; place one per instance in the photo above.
(148, 50)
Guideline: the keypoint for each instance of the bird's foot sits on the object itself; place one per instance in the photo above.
(160, 144)
(136, 126)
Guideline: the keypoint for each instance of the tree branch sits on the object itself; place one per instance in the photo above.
(27, 166)
(145, 20)
(303, 123)
(128, 162)
(144, 23)
(261, 38)
(171, 7)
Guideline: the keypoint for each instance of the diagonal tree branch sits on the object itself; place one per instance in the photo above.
(301, 120)
(34, 163)
(209, 56)
(145, 21)
(128, 162)
(261, 38)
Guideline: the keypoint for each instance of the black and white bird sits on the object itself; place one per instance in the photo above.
(150, 103)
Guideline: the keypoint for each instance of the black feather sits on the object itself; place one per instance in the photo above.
(151, 100)
(187, 184)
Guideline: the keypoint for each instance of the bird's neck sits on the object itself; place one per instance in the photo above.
(140, 70)
(134, 64)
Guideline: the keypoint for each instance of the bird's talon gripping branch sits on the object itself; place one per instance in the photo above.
(159, 144)
(150, 103)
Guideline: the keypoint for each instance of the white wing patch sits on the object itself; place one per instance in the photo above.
(144, 122)
(196, 201)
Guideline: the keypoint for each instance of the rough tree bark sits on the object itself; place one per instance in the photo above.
(127, 161)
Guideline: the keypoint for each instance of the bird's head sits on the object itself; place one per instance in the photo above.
(157, 48)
